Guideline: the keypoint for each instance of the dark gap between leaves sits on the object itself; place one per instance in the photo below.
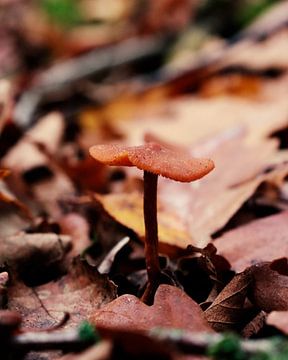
(37, 174)
(282, 136)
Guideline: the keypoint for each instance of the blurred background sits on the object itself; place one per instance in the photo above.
(163, 34)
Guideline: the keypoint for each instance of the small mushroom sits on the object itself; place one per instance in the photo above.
(155, 160)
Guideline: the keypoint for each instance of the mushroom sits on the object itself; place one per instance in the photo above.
(155, 160)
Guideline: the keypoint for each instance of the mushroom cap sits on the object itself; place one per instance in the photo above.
(154, 158)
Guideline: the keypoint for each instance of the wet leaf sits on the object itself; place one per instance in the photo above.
(172, 308)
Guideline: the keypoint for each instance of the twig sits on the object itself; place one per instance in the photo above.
(203, 343)
(218, 345)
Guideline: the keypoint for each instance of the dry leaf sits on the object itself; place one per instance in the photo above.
(269, 53)
(32, 169)
(172, 308)
(278, 319)
(255, 325)
(29, 253)
(261, 240)
(206, 206)
(79, 293)
(173, 122)
(270, 285)
(127, 209)
(228, 312)
(77, 227)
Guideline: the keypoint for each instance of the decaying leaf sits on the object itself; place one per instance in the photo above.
(77, 227)
(261, 240)
(101, 351)
(79, 293)
(270, 285)
(32, 170)
(278, 319)
(8, 198)
(255, 325)
(172, 308)
(31, 253)
(228, 311)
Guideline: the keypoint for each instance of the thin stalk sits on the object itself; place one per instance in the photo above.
(151, 234)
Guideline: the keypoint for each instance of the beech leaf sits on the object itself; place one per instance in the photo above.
(227, 312)
(270, 285)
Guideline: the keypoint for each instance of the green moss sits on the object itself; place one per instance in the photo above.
(88, 333)
(64, 12)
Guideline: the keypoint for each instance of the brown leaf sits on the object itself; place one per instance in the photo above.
(205, 207)
(78, 293)
(8, 198)
(29, 253)
(4, 173)
(228, 311)
(272, 52)
(212, 117)
(172, 308)
(255, 325)
(127, 209)
(270, 286)
(32, 170)
(77, 227)
(101, 351)
(278, 319)
(261, 240)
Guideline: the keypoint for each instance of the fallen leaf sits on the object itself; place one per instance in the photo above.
(33, 173)
(261, 240)
(228, 311)
(127, 209)
(271, 52)
(269, 291)
(79, 293)
(7, 197)
(174, 124)
(172, 308)
(100, 351)
(255, 325)
(77, 227)
(278, 319)
(32, 253)
(206, 206)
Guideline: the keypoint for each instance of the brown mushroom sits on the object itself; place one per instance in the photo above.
(155, 160)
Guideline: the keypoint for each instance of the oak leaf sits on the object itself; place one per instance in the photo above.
(172, 308)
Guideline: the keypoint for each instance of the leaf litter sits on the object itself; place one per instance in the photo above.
(221, 239)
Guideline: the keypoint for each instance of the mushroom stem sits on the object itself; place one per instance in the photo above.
(151, 231)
